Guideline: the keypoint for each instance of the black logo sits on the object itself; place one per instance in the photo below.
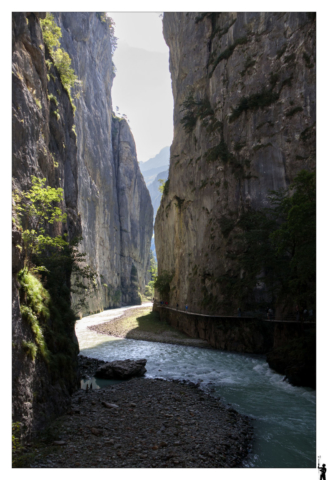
(322, 469)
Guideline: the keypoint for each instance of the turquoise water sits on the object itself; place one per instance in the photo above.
(284, 416)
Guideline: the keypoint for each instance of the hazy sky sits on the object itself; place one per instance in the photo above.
(142, 87)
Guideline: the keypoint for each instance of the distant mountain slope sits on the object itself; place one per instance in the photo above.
(151, 175)
(153, 189)
(153, 170)
(162, 159)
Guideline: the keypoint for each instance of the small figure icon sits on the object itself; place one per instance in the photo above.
(323, 472)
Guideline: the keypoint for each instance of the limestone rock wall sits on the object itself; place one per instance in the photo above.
(113, 201)
(244, 123)
(44, 146)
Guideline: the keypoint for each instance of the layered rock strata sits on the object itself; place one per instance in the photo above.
(113, 201)
(244, 124)
(43, 145)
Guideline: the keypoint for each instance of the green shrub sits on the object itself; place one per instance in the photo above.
(219, 152)
(34, 308)
(16, 427)
(149, 289)
(53, 99)
(166, 187)
(30, 348)
(194, 109)
(262, 99)
(162, 282)
(45, 299)
(62, 61)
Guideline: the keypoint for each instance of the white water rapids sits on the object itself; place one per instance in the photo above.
(284, 416)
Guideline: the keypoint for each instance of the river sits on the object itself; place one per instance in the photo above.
(284, 416)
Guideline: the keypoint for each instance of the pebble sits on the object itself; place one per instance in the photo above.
(153, 438)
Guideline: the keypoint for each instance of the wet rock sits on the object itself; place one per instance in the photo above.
(122, 369)
(109, 405)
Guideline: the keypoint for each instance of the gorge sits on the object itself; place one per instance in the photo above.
(244, 90)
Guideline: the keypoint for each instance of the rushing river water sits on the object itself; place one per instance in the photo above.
(284, 416)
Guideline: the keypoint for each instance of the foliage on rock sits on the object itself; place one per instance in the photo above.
(278, 247)
(38, 208)
(162, 282)
(149, 290)
(54, 269)
(62, 61)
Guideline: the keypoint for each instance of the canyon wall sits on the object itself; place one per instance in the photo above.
(43, 145)
(91, 155)
(244, 123)
(113, 201)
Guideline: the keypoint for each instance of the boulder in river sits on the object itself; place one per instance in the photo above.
(122, 369)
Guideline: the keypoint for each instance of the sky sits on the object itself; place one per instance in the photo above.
(142, 86)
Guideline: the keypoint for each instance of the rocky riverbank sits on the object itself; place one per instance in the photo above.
(144, 324)
(151, 424)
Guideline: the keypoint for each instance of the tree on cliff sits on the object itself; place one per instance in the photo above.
(50, 263)
(38, 208)
(62, 61)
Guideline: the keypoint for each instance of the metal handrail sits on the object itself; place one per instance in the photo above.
(263, 317)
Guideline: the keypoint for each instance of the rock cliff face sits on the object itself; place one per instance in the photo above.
(113, 201)
(244, 124)
(105, 196)
(40, 142)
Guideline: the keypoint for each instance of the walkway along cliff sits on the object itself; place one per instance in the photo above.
(91, 155)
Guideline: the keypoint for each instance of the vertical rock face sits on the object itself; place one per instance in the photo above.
(113, 201)
(244, 124)
(45, 146)
(105, 196)
(135, 214)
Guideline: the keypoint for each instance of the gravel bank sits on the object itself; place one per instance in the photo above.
(143, 324)
(150, 424)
